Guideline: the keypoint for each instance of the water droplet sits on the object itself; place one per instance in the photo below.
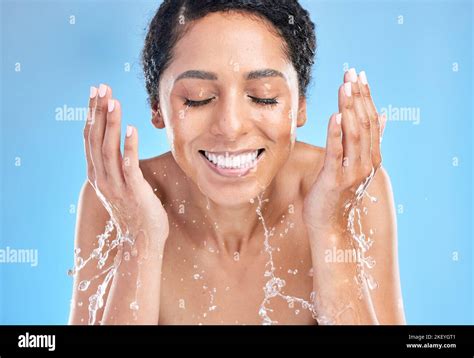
(79, 262)
(371, 282)
(134, 306)
(84, 285)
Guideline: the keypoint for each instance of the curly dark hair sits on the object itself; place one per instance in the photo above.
(291, 22)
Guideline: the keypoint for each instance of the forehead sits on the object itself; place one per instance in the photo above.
(232, 40)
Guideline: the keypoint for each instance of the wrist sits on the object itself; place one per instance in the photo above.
(143, 243)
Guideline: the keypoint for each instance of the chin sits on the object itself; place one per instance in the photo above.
(231, 196)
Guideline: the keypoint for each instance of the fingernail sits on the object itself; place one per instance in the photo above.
(352, 74)
(338, 118)
(102, 90)
(93, 92)
(363, 77)
(111, 105)
(129, 131)
(348, 89)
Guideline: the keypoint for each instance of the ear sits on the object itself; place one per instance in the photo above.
(301, 116)
(157, 117)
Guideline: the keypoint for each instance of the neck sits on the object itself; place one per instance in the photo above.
(230, 229)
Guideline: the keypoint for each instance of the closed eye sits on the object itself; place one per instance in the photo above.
(264, 101)
(261, 101)
(191, 103)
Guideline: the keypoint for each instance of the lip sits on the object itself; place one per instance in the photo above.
(232, 172)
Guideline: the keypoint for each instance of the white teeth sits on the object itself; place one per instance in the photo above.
(244, 160)
(236, 161)
(220, 160)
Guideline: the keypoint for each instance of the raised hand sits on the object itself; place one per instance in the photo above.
(351, 160)
(117, 179)
(352, 156)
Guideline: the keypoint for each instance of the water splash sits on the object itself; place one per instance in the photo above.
(359, 241)
(106, 243)
(273, 287)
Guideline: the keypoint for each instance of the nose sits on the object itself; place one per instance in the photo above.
(231, 119)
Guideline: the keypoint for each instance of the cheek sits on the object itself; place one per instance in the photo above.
(177, 137)
(280, 127)
(293, 131)
(181, 133)
(173, 119)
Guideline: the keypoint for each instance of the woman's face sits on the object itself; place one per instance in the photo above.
(229, 101)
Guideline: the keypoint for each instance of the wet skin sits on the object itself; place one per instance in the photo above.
(202, 258)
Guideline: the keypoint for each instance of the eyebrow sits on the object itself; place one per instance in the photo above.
(267, 72)
(211, 76)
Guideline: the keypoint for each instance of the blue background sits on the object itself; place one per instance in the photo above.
(408, 65)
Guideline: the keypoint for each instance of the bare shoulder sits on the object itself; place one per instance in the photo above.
(307, 160)
(160, 162)
(159, 172)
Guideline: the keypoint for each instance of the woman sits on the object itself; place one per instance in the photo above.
(239, 223)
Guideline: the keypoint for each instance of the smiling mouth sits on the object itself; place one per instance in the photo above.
(239, 162)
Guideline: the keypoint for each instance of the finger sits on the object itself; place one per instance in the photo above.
(96, 135)
(350, 128)
(334, 149)
(375, 127)
(87, 128)
(350, 75)
(363, 122)
(111, 155)
(130, 163)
